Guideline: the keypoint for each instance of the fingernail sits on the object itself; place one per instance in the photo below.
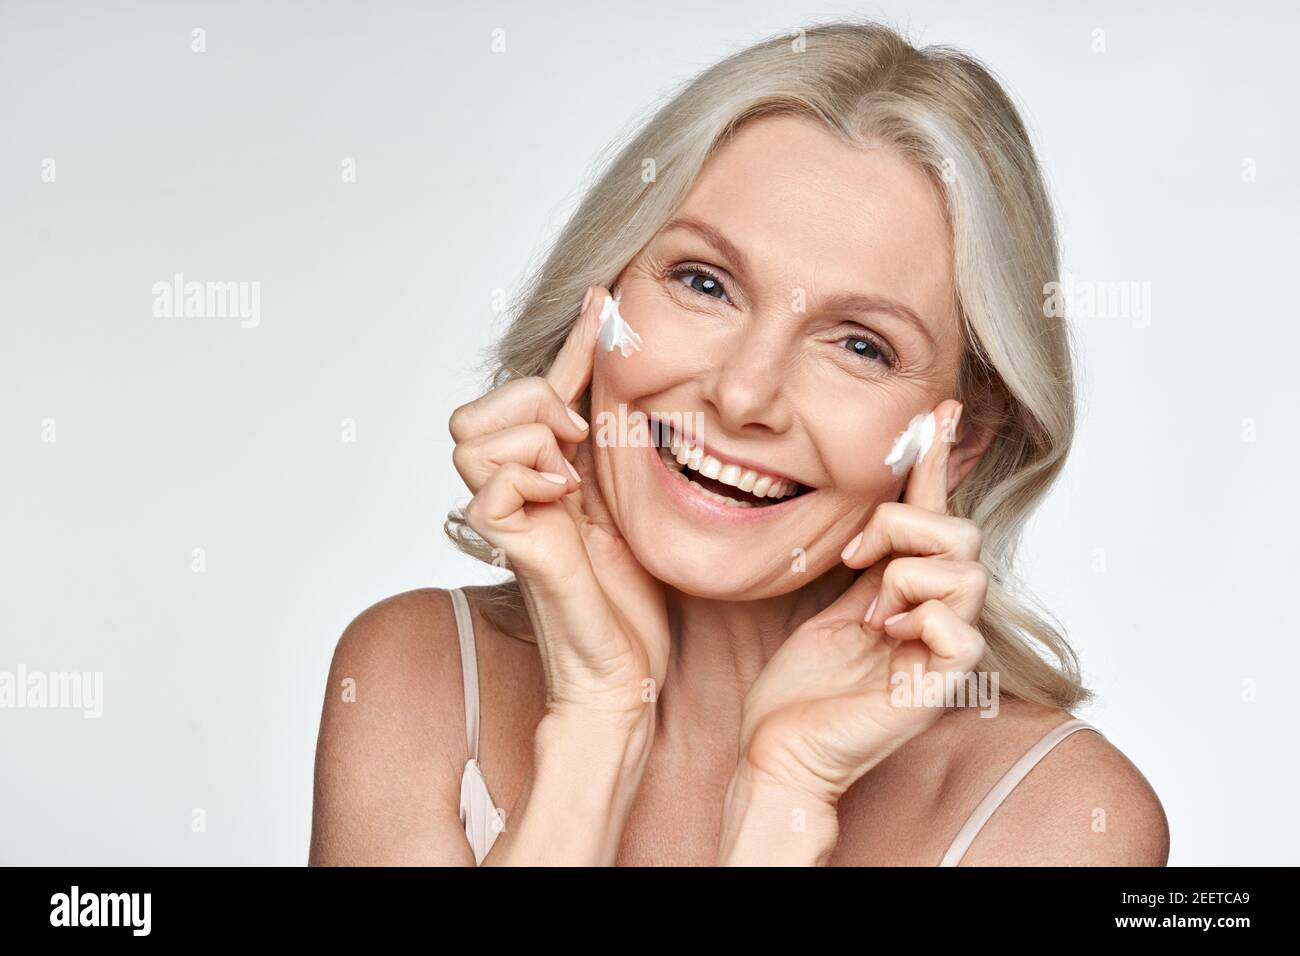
(586, 301)
(891, 621)
(872, 608)
(851, 547)
(578, 419)
(573, 471)
(552, 476)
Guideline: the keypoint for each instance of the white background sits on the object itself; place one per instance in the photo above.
(377, 300)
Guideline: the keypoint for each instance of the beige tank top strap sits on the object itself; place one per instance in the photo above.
(468, 667)
(982, 813)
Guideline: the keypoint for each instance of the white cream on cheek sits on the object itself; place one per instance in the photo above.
(614, 330)
(912, 444)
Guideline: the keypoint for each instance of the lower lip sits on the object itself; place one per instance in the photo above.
(690, 497)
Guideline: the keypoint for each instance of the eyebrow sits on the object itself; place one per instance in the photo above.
(856, 302)
(714, 238)
(846, 302)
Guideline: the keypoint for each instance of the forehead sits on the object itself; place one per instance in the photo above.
(814, 212)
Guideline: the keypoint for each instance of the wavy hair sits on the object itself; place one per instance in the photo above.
(945, 112)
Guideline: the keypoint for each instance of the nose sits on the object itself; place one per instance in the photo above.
(747, 385)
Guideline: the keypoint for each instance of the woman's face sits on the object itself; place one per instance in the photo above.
(796, 312)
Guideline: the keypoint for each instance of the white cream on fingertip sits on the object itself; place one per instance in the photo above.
(912, 445)
(614, 330)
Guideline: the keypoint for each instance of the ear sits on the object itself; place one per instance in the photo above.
(975, 432)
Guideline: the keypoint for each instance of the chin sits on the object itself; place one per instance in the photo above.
(703, 563)
(703, 566)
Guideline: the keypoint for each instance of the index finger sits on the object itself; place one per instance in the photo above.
(927, 485)
(570, 373)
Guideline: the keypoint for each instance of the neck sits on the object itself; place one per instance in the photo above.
(718, 650)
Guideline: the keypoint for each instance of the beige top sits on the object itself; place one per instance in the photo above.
(483, 820)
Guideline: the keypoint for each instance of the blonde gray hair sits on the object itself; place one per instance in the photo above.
(947, 113)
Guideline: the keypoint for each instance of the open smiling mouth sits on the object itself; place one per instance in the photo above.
(734, 485)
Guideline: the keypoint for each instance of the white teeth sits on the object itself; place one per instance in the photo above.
(730, 502)
(723, 498)
(746, 479)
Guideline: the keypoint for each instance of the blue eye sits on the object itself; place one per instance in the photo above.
(863, 347)
(869, 350)
(708, 285)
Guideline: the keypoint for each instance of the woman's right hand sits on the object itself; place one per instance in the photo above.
(600, 618)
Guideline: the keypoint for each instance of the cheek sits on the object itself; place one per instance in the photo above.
(854, 445)
(668, 356)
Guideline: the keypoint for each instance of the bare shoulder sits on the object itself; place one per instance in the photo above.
(1083, 804)
(392, 738)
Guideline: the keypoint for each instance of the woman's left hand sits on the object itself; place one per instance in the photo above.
(825, 710)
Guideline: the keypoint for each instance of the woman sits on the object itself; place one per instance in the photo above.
(733, 649)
